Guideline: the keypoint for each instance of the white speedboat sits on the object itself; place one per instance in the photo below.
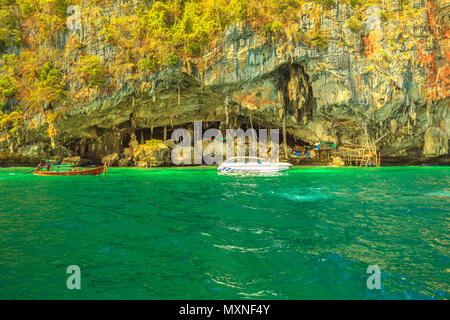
(251, 164)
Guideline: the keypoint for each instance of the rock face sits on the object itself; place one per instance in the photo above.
(112, 158)
(386, 83)
(74, 161)
(124, 162)
(436, 142)
(337, 161)
(155, 155)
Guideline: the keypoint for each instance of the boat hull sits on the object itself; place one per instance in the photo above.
(94, 172)
(254, 168)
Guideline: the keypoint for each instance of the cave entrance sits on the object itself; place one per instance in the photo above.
(126, 140)
(293, 144)
(294, 87)
(293, 141)
(159, 133)
(142, 135)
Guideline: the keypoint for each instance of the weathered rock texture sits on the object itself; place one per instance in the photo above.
(387, 83)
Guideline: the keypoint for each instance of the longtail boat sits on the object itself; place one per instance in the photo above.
(50, 170)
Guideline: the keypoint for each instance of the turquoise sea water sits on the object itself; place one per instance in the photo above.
(187, 233)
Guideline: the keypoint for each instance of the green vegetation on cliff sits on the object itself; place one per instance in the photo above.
(345, 71)
(49, 65)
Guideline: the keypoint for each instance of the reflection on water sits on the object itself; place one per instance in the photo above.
(440, 193)
(192, 234)
(305, 195)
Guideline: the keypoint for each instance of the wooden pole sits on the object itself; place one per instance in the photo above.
(251, 125)
(284, 135)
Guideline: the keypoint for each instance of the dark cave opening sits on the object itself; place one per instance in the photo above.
(126, 140)
(143, 134)
(294, 86)
(291, 140)
(159, 133)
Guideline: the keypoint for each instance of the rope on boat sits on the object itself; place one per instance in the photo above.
(105, 167)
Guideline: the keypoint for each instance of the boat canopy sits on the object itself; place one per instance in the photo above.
(54, 163)
(244, 158)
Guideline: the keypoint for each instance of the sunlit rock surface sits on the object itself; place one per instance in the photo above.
(387, 83)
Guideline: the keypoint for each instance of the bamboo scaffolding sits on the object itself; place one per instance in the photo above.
(363, 156)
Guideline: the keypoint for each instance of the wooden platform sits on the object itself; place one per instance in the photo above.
(362, 156)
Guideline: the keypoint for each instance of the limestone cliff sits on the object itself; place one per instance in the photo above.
(345, 74)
